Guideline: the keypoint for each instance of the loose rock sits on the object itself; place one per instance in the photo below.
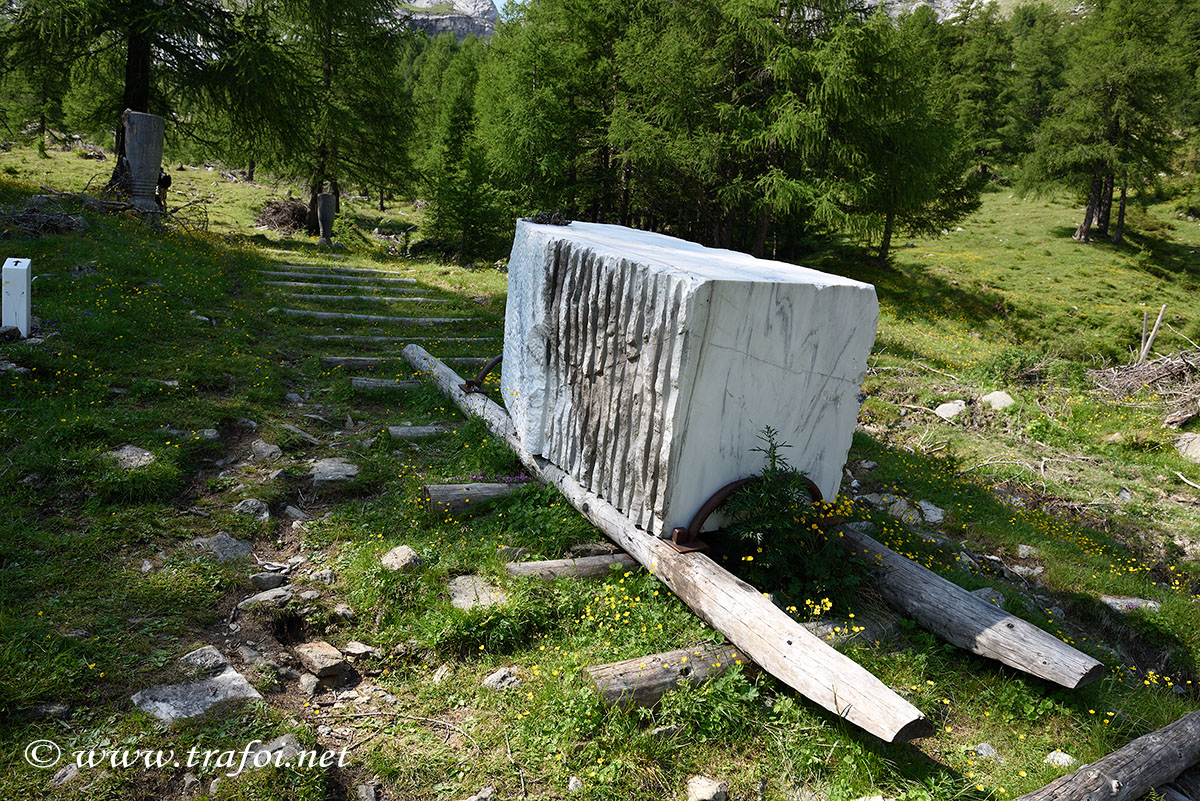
(986, 751)
(208, 659)
(998, 400)
(292, 513)
(502, 679)
(932, 514)
(1026, 551)
(950, 409)
(309, 683)
(171, 702)
(254, 508)
(131, 457)
(1125, 605)
(324, 576)
(991, 595)
(278, 597)
(468, 592)
(575, 785)
(261, 449)
(321, 658)
(486, 794)
(401, 559)
(267, 580)
(1059, 759)
(702, 788)
(332, 471)
(224, 546)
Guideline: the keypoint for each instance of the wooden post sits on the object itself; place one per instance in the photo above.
(1132, 771)
(969, 622)
(456, 499)
(583, 567)
(644, 680)
(762, 631)
(1149, 345)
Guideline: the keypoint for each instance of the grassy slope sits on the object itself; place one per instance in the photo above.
(82, 624)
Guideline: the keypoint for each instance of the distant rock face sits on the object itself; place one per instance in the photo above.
(460, 17)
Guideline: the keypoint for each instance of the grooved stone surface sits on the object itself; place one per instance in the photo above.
(646, 366)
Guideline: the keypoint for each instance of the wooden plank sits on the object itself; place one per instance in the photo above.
(765, 633)
(417, 432)
(340, 270)
(371, 298)
(362, 338)
(339, 279)
(584, 567)
(456, 499)
(644, 680)
(355, 287)
(359, 382)
(968, 621)
(1133, 770)
(331, 362)
(378, 318)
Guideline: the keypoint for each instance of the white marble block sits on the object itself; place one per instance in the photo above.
(646, 366)
(16, 295)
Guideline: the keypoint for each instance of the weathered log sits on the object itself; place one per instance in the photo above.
(367, 298)
(1133, 770)
(1188, 783)
(416, 432)
(358, 382)
(583, 567)
(362, 338)
(330, 362)
(337, 278)
(644, 680)
(377, 318)
(343, 271)
(969, 622)
(765, 633)
(356, 287)
(456, 499)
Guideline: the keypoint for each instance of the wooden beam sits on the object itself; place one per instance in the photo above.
(340, 279)
(362, 338)
(417, 432)
(969, 622)
(331, 362)
(584, 567)
(644, 680)
(358, 382)
(369, 298)
(765, 633)
(378, 318)
(1133, 770)
(454, 499)
(356, 287)
(344, 271)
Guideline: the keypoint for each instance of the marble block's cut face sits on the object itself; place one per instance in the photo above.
(646, 366)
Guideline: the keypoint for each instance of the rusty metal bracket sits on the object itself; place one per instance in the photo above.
(687, 540)
(475, 385)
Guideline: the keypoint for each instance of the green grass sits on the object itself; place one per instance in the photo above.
(1010, 302)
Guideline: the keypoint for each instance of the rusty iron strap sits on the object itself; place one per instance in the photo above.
(687, 540)
(475, 385)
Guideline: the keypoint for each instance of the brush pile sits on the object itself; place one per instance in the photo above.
(287, 216)
(40, 215)
(1173, 380)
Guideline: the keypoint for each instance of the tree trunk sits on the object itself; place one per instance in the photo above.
(644, 680)
(1105, 210)
(1119, 234)
(755, 626)
(625, 179)
(760, 233)
(135, 97)
(312, 224)
(381, 199)
(1084, 232)
(250, 170)
(885, 244)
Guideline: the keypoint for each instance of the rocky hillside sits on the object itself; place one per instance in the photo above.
(460, 17)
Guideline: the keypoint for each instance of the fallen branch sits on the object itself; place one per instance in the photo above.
(1185, 481)
(417, 718)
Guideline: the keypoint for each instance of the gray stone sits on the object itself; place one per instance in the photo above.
(261, 449)
(1059, 759)
(268, 580)
(207, 658)
(502, 679)
(191, 784)
(986, 751)
(224, 546)
(283, 751)
(147, 566)
(998, 400)
(702, 788)
(292, 513)
(301, 433)
(65, 774)
(574, 785)
(1028, 572)
(665, 732)
(344, 612)
(866, 465)
(131, 457)
(950, 409)
(171, 702)
(254, 508)
(326, 472)
(358, 650)
(440, 674)
(310, 595)
(321, 658)
(932, 514)
(1125, 604)
(1188, 446)
(1026, 551)
(1115, 438)
(486, 794)
(279, 597)
(324, 576)
(368, 792)
(401, 559)
(292, 397)
(209, 434)
(309, 683)
(468, 592)
(992, 596)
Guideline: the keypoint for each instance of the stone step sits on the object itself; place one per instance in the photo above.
(372, 298)
(358, 382)
(379, 318)
(339, 279)
(363, 338)
(331, 362)
(354, 287)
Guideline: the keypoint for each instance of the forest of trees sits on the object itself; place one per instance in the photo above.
(758, 125)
